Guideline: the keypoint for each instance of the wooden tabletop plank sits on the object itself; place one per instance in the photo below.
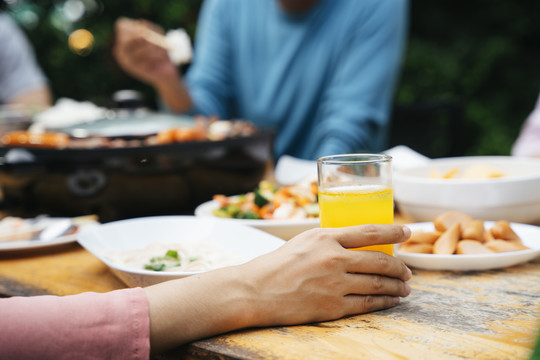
(59, 270)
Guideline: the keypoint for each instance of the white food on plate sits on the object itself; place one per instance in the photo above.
(201, 255)
(15, 228)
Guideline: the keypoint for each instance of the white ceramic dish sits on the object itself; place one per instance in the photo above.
(18, 245)
(529, 234)
(514, 197)
(284, 229)
(138, 233)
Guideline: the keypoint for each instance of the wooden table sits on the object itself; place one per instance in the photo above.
(449, 315)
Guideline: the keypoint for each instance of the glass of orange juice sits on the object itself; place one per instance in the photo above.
(356, 189)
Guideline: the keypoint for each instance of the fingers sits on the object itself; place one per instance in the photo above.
(141, 52)
(367, 284)
(375, 262)
(125, 28)
(360, 304)
(371, 234)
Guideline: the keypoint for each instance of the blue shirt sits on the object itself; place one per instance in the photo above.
(19, 70)
(322, 80)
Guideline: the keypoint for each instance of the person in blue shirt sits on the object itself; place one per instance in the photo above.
(22, 81)
(320, 73)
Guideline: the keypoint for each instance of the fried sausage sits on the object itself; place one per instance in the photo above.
(474, 230)
(447, 242)
(424, 237)
(502, 230)
(419, 248)
(470, 247)
(499, 245)
(446, 220)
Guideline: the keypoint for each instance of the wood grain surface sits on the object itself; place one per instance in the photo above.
(60, 270)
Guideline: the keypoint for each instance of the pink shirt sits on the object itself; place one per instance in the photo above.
(528, 142)
(114, 325)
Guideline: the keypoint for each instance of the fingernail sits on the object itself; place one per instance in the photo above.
(396, 300)
(407, 289)
(406, 232)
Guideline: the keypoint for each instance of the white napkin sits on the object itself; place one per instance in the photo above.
(290, 170)
(403, 157)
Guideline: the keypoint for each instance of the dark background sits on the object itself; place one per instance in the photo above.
(470, 77)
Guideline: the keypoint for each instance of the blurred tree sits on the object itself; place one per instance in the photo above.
(482, 54)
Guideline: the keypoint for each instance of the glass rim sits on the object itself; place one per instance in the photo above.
(360, 158)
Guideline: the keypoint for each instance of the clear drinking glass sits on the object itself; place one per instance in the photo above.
(356, 189)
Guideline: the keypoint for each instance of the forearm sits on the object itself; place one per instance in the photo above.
(347, 134)
(87, 325)
(196, 307)
(40, 98)
(175, 94)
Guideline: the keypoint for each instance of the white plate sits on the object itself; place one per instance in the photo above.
(17, 245)
(138, 233)
(285, 229)
(529, 234)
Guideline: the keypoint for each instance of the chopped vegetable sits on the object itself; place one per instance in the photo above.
(269, 201)
(162, 263)
(259, 199)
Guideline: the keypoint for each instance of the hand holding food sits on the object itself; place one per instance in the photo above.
(138, 54)
(459, 233)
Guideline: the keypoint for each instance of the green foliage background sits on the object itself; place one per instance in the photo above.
(482, 54)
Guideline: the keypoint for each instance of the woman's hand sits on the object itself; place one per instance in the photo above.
(313, 277)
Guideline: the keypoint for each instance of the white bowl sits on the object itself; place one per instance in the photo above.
(284, 229)
(514, 197)
(125, 235)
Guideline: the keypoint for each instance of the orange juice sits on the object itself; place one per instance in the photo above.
(356, 205)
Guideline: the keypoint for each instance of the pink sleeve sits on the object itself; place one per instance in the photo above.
(85, 326)
(528, 142)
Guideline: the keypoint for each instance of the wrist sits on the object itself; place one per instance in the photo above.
(198, 306)
(174, 93)
(238, 305)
